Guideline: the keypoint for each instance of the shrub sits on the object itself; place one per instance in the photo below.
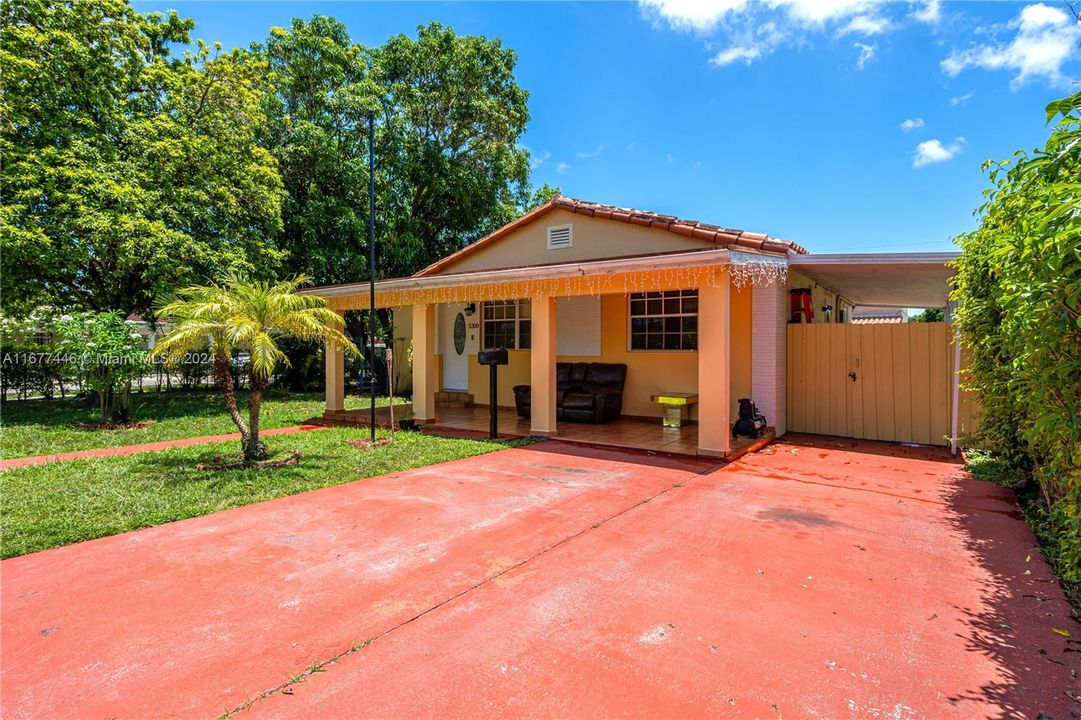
(1019, 287)
(29, 359)
(106, 354)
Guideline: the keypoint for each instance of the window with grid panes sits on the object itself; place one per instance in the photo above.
(665, 320)
(507, 324)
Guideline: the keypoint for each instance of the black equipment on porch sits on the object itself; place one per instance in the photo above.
(493, 358)
(750, 422)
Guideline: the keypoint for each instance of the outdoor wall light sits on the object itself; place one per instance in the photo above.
(470, 309)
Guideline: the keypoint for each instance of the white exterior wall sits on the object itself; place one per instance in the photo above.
(769, 353)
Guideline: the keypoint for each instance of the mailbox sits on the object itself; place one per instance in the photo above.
(492, 356)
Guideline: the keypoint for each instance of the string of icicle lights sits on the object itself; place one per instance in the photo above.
(743, 269)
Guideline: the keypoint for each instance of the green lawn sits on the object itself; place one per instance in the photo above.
(41, 427)
(61, 503)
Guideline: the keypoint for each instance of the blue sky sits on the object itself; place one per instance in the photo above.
(778, 116)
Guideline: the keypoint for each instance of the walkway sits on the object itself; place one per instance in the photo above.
(14, 463)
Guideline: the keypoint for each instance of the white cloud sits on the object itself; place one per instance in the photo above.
(751, 46)
(912, 124)
(595, 153)
(562, 168)
(631, 147)
(933, 151)
(822, 11)
(753, 29)
(699, 15)
(736, 54)
(961, 99)
(537, 159)
(866, 25)
(1046, 39)
(669, 158)
(930, 12)
(866, 53)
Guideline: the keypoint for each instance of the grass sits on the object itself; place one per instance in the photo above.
(52, 505)
(989, 467)
(41, 427)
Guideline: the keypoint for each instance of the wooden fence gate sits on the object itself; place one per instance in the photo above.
(874, 382)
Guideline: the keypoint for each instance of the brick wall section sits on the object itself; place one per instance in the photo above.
(769, 334)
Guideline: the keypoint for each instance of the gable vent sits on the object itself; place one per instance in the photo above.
(559, 237)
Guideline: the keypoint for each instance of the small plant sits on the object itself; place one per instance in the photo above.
(247, 318)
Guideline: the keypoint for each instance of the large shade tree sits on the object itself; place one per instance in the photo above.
(127, 170)
(449, 117)
(253, 317)
(454, 115)
(317, 112)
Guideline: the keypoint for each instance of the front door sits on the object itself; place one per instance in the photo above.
(455, 348)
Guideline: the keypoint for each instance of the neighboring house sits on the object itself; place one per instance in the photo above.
(151, 332)
(687, 306)
(878, 316)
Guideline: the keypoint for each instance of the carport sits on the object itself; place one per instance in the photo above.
(879, 382)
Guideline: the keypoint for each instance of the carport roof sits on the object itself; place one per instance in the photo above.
(915, 280)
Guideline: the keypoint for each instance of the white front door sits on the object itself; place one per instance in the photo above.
(456, 345)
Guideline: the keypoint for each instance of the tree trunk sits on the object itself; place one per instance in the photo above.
(255, 449)
(223, 376)
(121, 409)
(105, 399)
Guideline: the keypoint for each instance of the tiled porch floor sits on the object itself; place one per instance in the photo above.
(629, 432)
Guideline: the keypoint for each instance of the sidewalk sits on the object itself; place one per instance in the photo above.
(14, 463)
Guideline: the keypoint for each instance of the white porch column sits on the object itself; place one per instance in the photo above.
(335, 377)
(714, 367)
(424, 363)
(542, 367)
(769, 353)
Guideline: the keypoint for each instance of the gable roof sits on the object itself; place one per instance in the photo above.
(725, 237)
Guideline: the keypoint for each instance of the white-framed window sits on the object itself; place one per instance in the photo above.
(560, 236)
(666, 320)
(507, 324)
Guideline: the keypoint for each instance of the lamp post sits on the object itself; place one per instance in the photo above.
(371, 266)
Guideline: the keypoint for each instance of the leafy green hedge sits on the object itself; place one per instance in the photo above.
(1019, 287)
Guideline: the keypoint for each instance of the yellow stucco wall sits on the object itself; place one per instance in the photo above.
(648, 372)
(593, 239)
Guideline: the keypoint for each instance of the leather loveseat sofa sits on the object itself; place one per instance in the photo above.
(585, 392)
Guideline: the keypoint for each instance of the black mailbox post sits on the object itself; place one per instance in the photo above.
(492, 357)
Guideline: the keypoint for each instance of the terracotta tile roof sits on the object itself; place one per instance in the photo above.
(681, 226)
(727, 237)
(877, 320)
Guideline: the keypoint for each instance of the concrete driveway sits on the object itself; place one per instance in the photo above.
(819, 578)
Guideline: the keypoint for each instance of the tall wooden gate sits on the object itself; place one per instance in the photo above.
(875, 382)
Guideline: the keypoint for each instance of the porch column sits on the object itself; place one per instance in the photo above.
(542, 367)
(335, 377)
(714, 367)
(424, 363)
(769, 353)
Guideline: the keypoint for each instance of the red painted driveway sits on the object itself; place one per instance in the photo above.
(827, 580)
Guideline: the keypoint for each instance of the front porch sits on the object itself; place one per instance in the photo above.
(625, 432)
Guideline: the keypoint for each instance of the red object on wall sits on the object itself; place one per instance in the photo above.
(802, 306)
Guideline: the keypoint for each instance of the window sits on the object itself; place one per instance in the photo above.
(507, 324)
(664, 320)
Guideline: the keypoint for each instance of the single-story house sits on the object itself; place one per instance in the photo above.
(694, 311)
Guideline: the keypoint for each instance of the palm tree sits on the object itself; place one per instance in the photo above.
(240, 314)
